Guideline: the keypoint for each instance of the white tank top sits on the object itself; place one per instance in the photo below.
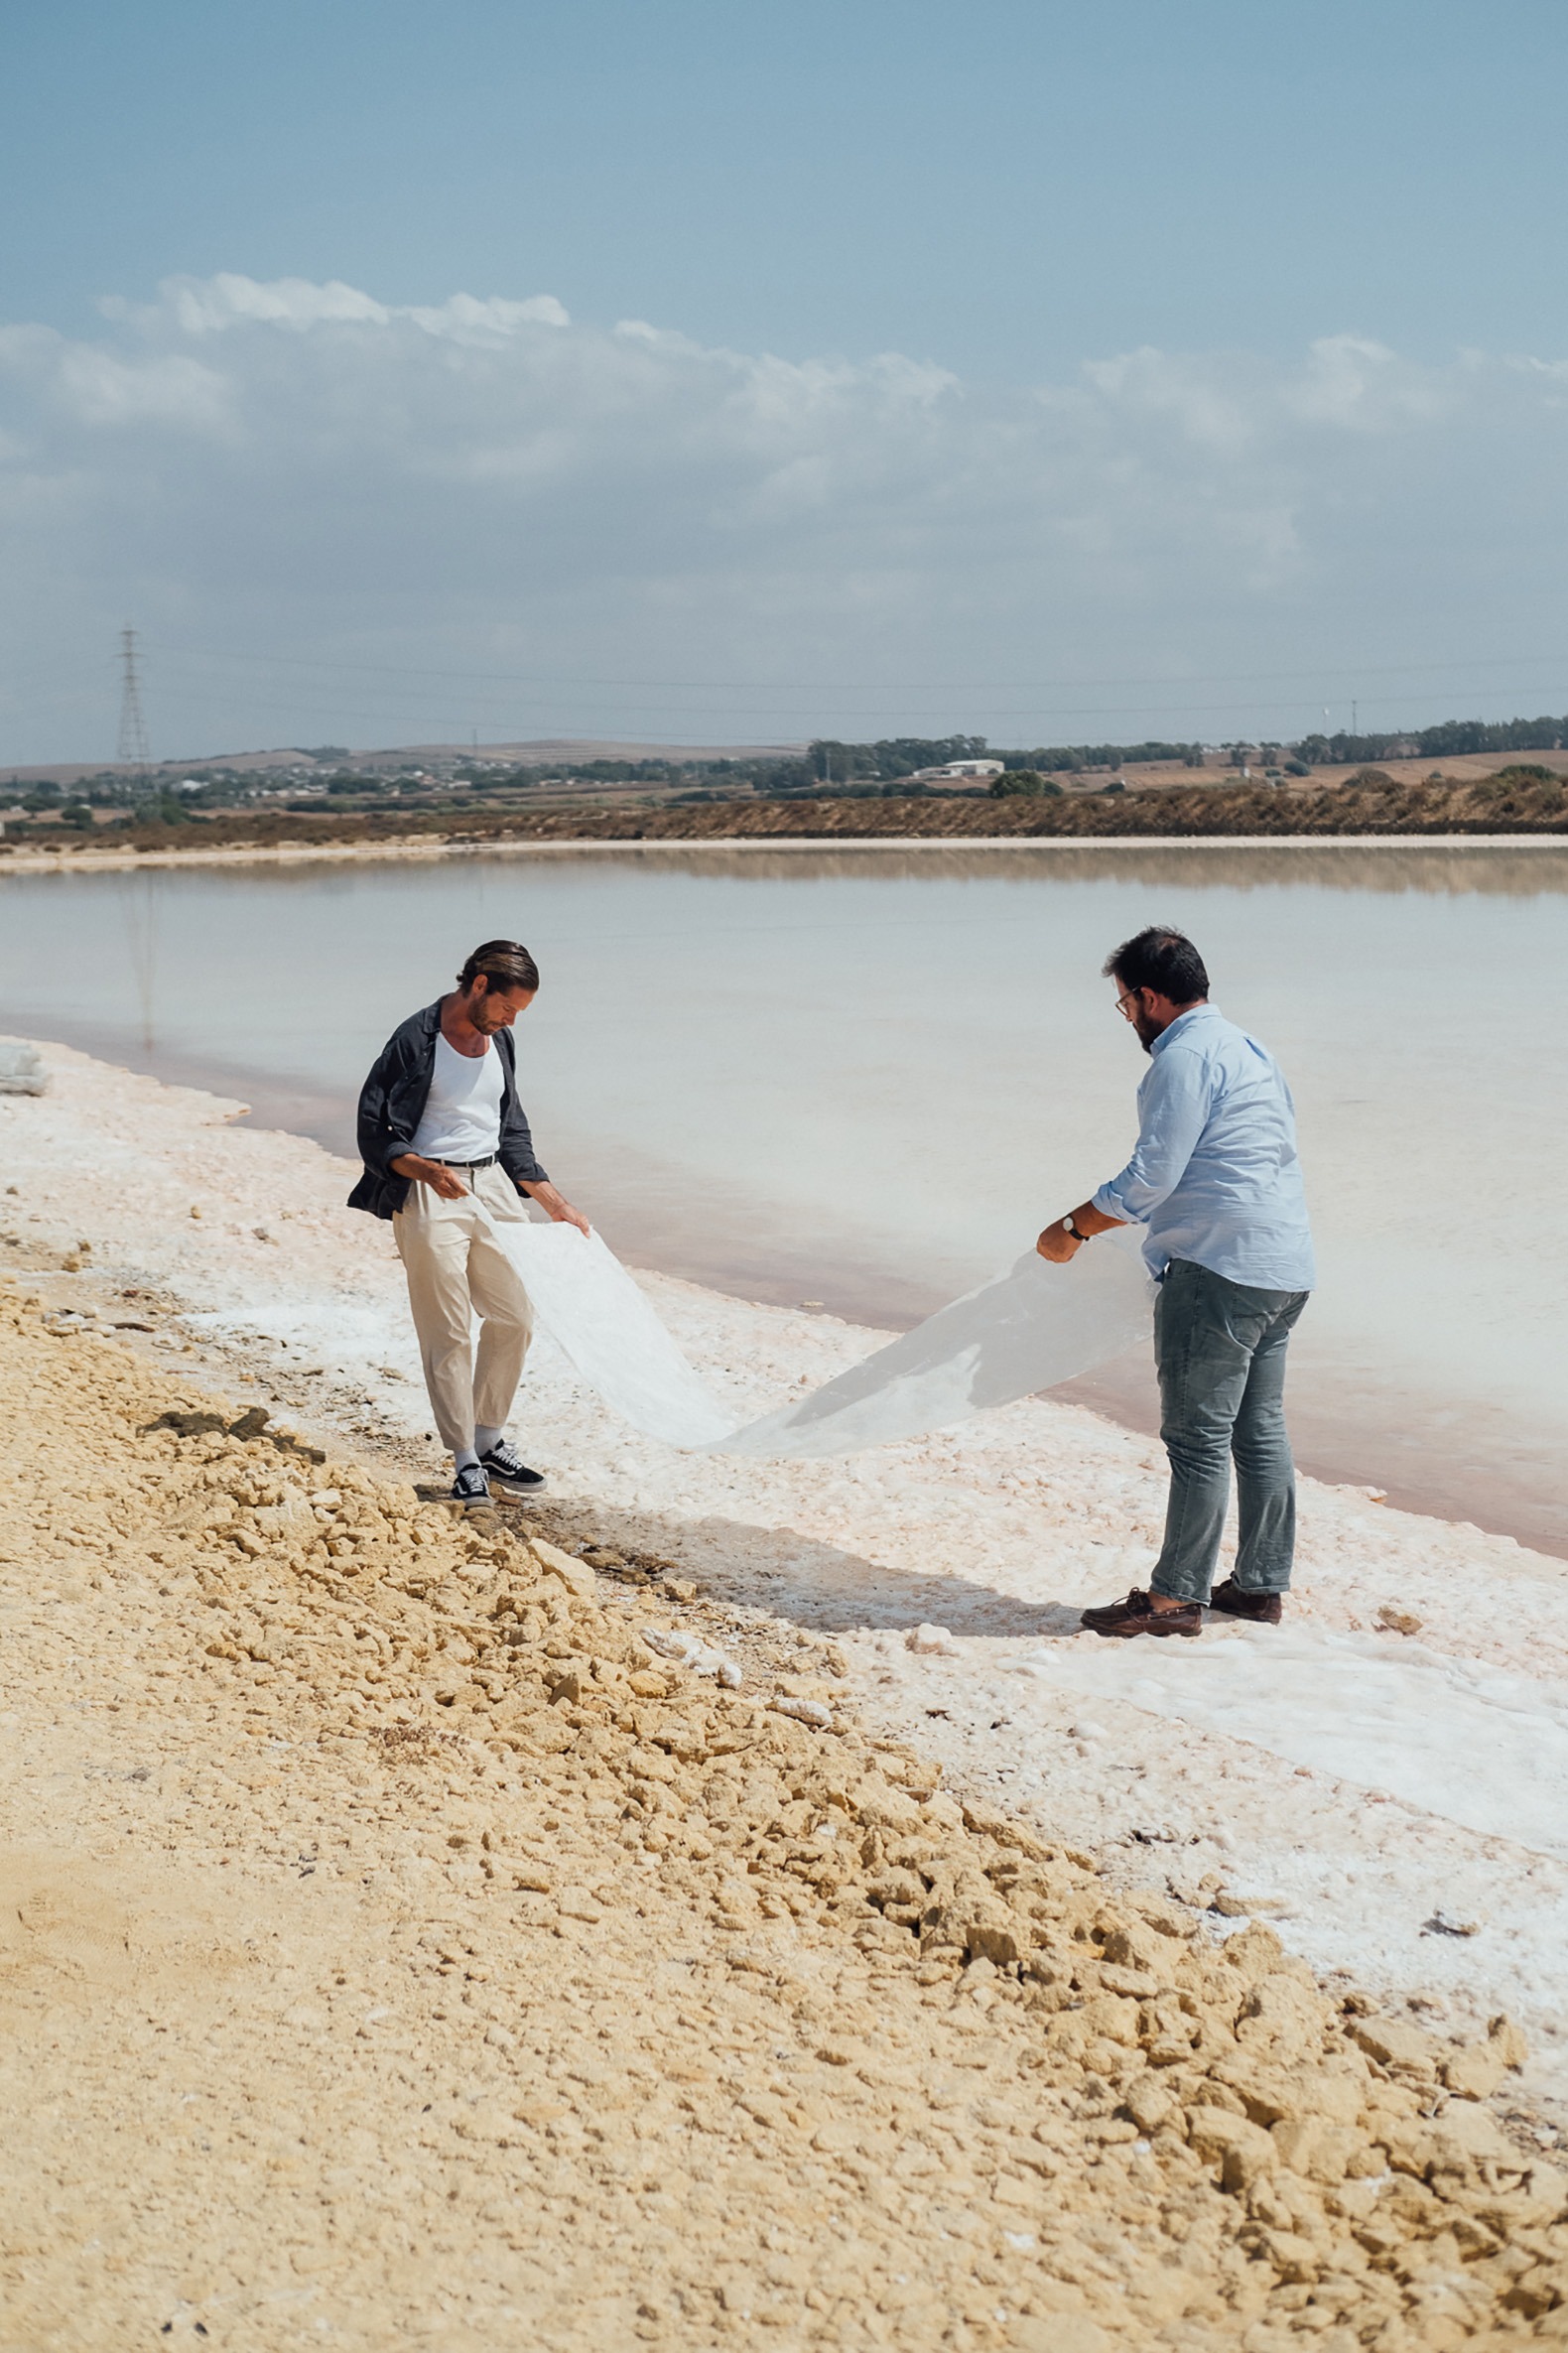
(461, 1119)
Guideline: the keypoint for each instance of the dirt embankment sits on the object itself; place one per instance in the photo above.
(397, 1941)
(1507, 802)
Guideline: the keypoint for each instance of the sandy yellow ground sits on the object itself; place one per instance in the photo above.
(395, 1952)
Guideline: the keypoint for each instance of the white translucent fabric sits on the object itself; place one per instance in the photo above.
(1024, 1331)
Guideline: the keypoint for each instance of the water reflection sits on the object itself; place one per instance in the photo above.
(138, 911)
(1509, 874)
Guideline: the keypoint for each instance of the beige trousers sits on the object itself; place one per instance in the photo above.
(455, 1269)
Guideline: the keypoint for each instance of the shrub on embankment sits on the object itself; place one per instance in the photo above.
(1525, 798)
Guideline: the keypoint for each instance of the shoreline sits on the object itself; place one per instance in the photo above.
(1383, 1777)
(87, 861)
(1354, 1439)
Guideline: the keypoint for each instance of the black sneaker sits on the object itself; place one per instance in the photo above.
(509, 1471)
(470, 1488)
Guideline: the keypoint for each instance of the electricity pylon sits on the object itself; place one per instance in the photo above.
(133, 727)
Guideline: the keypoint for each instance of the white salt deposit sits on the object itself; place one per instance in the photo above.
(1485, 1749)
(22, 1069)
(700, 1657)
(815, 1712)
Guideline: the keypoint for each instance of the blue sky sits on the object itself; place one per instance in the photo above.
(1229, 337)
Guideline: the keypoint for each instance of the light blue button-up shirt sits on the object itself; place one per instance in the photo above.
(1214, 1175)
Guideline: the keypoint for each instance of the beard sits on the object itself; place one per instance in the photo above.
(1148, 1030)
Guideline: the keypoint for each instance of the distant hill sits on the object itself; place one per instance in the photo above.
(547, 751)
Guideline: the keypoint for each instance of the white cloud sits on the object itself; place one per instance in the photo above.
(1235, 402)
(103, 389)
(212, 305)
(464, 320)
(303, 472)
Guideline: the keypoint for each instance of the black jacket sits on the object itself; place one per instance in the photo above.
(392, 1102)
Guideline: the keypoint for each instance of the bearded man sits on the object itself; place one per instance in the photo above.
(1216, 1181)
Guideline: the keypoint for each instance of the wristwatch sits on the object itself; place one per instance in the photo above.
(1073, 1231)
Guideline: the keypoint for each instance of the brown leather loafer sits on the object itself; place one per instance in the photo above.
(1138, 1615)
(1263, 1608)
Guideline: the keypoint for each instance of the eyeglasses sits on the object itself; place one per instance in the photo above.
(1125, 999)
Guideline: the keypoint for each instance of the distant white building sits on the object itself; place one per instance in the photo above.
(959, 772)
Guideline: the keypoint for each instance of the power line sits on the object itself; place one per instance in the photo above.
(552, 681)
(453, 730)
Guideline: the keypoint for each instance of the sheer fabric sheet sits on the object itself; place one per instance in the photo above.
(1026, 1330)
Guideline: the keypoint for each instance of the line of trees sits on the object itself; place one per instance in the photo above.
(1451, 740)
(840, 769)
(1072, 759)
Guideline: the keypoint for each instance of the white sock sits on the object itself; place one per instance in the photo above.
(485, 1438)
(464, 1458)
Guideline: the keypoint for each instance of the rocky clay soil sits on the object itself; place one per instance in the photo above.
(412, 1935)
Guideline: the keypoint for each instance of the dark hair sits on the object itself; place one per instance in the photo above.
(1160, 958)
(506, 964)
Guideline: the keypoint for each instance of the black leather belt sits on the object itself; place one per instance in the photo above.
(489, 1163)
